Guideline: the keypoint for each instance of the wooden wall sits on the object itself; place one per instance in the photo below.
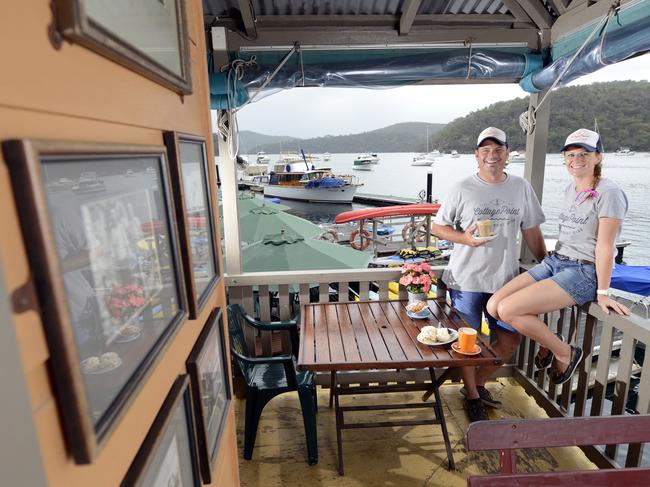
(76, 94)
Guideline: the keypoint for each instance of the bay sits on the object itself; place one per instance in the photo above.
(394, 176)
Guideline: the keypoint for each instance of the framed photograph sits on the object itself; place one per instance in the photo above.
(148, 37)
(208, 368)
(168, 455)
(98, 220)
(193, 199)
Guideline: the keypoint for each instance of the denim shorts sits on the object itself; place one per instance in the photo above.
(471, 306)
(578, 280)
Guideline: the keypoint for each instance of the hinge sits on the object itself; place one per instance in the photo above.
(53, 32)
(24, 298)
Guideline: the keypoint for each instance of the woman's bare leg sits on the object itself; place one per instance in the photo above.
(522, 308)
(519, 282)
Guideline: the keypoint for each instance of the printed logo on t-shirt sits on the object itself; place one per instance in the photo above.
(498, 210)
(574, 219)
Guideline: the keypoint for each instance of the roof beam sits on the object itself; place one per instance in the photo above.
(559, 6)
(581, 14)
(515, 9)
(386, 36)
(248, 18)
(409, 12)
(537, 12)
(339, 21)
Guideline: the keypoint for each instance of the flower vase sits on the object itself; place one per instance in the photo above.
(414, 297)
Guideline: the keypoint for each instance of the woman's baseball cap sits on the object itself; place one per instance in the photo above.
(585, 138)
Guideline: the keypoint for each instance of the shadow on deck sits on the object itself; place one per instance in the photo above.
(408, 456)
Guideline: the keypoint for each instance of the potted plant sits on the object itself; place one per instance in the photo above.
(417, 278)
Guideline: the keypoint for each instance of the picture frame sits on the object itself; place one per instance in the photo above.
(157, 46)
(168, 454)
(103, 249)
(209, 379)
(195, 216)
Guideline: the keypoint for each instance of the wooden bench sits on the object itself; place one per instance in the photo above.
(509, 435)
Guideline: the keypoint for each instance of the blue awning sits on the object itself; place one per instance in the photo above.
(372, 68)
(626, 35)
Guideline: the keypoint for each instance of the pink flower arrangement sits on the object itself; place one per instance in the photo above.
(125, 300)
(417, 278)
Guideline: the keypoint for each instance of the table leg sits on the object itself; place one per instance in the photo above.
(339, 420)
(440, 416)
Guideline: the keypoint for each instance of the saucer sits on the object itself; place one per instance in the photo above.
(417, 316)
(456, 348)
(486, 239)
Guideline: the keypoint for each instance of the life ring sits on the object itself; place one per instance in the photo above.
(329, 235)
(364, 240)
(414, 232)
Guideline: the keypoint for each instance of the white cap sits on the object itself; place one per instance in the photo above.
(498, 135)
(585, 138)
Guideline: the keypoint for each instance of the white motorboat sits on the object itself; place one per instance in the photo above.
(318, 185)
(327, 156)
(454, 153)
(363, 162)
(262, 158)
(422, 160)
(624, 151)
(517, 157)
(372, 158)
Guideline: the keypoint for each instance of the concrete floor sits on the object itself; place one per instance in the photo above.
(399, 456)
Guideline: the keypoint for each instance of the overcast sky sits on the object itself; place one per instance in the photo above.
(314, 112)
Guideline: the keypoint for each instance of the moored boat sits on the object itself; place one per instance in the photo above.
(317, 185)
(624, 151)
(517, 157)
(262, 158)
(454, 153)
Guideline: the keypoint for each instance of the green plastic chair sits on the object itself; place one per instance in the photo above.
(267, 377)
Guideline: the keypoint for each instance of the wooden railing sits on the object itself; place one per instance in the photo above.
(610, 343)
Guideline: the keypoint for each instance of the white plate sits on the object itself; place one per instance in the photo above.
(453, 335)
(101, 371)
(486, 239)
(416, 316)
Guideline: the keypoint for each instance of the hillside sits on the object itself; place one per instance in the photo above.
(401, 137)
(620, 108)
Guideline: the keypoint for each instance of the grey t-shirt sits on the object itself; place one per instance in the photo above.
(511, 205)
(579, 218)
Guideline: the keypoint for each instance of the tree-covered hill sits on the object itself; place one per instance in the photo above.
(619, 107)
(401, 137)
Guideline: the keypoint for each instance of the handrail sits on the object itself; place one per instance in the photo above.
(606, 371)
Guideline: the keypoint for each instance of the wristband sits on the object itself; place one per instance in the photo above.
(604, 292)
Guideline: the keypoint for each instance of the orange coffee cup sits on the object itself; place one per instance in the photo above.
(467, 339)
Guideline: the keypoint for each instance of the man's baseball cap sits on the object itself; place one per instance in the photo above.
(585, 138)
(498, 135)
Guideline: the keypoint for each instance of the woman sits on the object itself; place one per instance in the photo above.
(580, 268)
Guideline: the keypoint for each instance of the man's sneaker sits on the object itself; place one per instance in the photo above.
(485, 396)
(475, 409)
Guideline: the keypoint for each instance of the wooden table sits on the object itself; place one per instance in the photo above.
(380, 335)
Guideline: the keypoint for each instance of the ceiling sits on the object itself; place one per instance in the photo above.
(396, 22)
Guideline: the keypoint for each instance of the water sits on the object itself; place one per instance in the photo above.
(394, 176)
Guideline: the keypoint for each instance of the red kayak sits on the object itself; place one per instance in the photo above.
(386, 211)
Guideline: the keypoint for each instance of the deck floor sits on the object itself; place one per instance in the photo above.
(398, 456)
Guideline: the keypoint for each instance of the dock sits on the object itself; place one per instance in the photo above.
(383, 200)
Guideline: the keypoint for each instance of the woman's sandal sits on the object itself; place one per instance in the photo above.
(576, 358)
(541, 362)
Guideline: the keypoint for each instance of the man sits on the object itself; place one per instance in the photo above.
(478, 267)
